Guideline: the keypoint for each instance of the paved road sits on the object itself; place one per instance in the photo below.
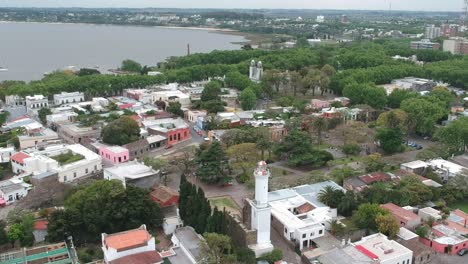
(448, 259)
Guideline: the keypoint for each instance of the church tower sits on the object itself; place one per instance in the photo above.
(261, 211)
(252, 70)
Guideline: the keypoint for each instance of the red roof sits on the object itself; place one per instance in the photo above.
(41, 224)
(135, 117)
(19, 157)
(125, 106)
(163, 193)
(307, 207)
(128, 239)
(149, 257)
(375, 177)
(400, 212)
(366, 252)
(19, 118)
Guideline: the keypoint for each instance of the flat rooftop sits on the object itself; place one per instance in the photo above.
(380, 247)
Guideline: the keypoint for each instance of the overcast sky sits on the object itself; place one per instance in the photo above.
(426, 5)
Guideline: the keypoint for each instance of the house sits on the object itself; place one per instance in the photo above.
(112, 154)
(384, 251)
(446, 169)
(13, 190)
(186, 246)
(416, 167)
(319, 104)
(59, 253)
(422, 254)
(298, 215)
(174, 129)
(156, 142)
(66, 98)
(76, 134)
(36, 136)
(171, 220)
(357, 184)
(165, 196)
(132, 172)
(141, 95)
(135, 246)
(429, 213)
(446, 239)
(6, 153)
(137, 149)
(69, 162)
(171, 96)
(57, 119)
(192, 115)
(415, 84)
(36, 102)
(40, 230)
(405, 218)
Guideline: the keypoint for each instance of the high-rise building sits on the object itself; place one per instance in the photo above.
(456, 46)
(432, 32)
(261, 211)
(449, 30)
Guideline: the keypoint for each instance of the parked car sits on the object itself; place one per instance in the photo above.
(462, 252)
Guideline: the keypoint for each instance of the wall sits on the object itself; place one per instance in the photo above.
(443, 248)
(111, 254)
(92, 166)
(239, 233)
(177, 135)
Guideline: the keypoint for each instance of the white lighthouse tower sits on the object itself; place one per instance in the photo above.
(261, 211)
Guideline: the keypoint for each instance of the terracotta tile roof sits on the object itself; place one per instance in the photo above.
(149, 257)
(400, 212)
(307, 207)
(41, 224)
(128, 239)
(19, 157)
(163, 193)
(375, 177)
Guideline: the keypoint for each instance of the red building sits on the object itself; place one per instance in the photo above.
(165, 196)
(405, 218)
(175, 130)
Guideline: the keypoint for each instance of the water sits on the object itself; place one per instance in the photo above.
(29, 50)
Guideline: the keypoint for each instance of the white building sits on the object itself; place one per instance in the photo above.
(256, 71)
(320, 19)
(447, 169)
(6, 153)
(261, 211)
(12, 190)
(428, 213)
(37, 135)
(132, 246)
(34, 162)
(432, 32)
(66, 98)
(36, 102)
(299, 215)
(129, 171)
(384, 251)
(172, 96)
(14, 100)
(186, 246)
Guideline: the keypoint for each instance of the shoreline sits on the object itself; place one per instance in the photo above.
(250, 38)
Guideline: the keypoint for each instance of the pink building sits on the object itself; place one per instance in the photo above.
(319, 104)
(114, 154)
(405, 218)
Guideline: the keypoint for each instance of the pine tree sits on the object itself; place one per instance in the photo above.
(183, 195)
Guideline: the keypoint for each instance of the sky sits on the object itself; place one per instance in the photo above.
(418, 5)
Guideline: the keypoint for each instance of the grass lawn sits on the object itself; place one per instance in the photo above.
(224, 202)
(462, 205)
(67, 158)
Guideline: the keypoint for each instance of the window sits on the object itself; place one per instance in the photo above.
(285, 230)
(320, 232)
(303, 235)
(312, 234)
(86, 171)
(95, 167)
(74, 175)
(65, 178)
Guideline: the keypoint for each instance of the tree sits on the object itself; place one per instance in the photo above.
(351, 149)
(302, 42)
(366, 214)
(217, 249)
(213, 106)
(319, 124)
(3, 234)
(399, 95)
(103, 206)
(387, 225)
(366, 93)
(130, 66)
(424, 112)
(175, 108)
(243, 157)
(348, 204)
(237, 80)
(43, 113)
(390, 140)
(248, 99)
(211, 91)
(393, 119)
(330, 196)
(455, 135)
(340, 174)
(273, 256)
(121, 131)
(87, 71)
(422, 231)
(374, 163)
(245, 255)
(212, 163)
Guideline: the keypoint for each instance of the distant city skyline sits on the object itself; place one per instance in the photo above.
(413, 5)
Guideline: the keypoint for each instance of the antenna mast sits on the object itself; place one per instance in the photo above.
(465, 13)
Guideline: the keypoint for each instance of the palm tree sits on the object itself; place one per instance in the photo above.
(326, 195)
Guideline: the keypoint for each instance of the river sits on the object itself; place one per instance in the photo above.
(28, 50)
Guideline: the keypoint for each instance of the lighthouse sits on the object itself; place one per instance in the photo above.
(261, 211)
